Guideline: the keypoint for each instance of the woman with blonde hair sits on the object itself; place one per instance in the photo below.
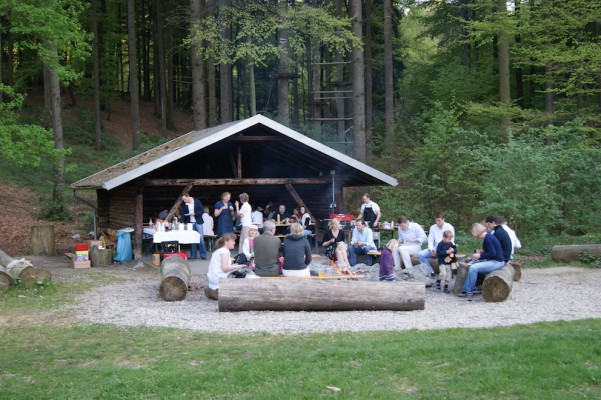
(485, 261)
(296, 252)
(220, 265)
(333, 241)
(387, 262)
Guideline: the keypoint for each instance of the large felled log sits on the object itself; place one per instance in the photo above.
(497, 284)
(572, 252)
(101, 257)
(175, 277)
(23, 270)
(42, 240)
(5, 279)
(285, 294)
(433, 262)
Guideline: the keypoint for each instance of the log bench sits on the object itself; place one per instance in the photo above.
(319, 295)
(496, 286)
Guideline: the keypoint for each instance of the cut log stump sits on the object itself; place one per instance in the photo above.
(23, 270)
(572, 252)
(5, 279)
(460, 278)
(101, 257)
(289, 294)
(42, 240)
(175, 277)
(497, 284)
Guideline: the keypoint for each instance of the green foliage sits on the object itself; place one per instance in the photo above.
(52, 210)
(589, 259)
(22, 144)
(40, 288)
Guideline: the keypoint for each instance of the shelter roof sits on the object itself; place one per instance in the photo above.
(266, 148)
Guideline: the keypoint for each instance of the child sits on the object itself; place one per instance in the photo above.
(387, 262)
(446, 257)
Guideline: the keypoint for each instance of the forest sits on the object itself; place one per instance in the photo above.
(475, 106)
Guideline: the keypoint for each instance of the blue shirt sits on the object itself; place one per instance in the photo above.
(367, 237)
(413, 231)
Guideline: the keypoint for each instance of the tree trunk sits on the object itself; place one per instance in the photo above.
(96, 77)
(497, 284)
(369, 72)
(199, 106)
(160, 77)
(133, 75)
(5, 279)
(285, 294)
(504, 85)
(358, 78)
(549, 93)
(573, 252)
(283, 73)
(57, 126)
(465, 48)
(42, 240)
(23, 270)
(225, 80)
(340, 94)
(175, 277)
(388, 74)
(170, 79)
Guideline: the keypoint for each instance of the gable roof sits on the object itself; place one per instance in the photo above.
(195, 141)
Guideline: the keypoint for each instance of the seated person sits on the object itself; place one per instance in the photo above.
(220, 265)
(297, 253)
(305, 220)
(248, 247)
(387, 262)
(267, 251)
(333, 241)
(362, 241)
(411, 237)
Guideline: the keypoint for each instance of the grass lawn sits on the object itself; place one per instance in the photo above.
(542, 361)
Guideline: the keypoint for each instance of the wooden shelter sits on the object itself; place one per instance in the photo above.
(259, 156)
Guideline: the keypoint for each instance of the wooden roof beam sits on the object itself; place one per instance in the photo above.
(240, 182)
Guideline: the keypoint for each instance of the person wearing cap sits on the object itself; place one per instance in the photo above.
(248, 247)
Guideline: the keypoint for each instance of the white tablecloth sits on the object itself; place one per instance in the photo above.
(183, 237)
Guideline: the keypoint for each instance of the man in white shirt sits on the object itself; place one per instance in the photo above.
(257, 218)
(208, 223)
(434, 237)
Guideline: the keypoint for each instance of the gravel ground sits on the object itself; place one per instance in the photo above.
(552, 294)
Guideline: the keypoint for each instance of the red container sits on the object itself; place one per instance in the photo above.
(342, 217)
(82, 247)
(182, 254)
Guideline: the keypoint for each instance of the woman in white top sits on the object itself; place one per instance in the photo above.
(220, 265)
(305, 221)
(244, 212)
(207, 223)
(247, 246)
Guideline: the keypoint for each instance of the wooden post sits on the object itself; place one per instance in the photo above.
(497, 284)
(175, 277)
(460, 277)
(138, 223)
(42, 240)
(286, 294)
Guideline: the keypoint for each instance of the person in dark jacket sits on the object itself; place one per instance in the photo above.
(445, 250)
(297, 253)
(485, 261)
(493, 223)
(192, 210)
(387, 262)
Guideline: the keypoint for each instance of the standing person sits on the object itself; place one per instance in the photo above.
(248, 246)
(224, 212)
(267, 251)
(485, 261)
(333, 241)
(220, 265)
(492, 224)
(445, 250)
(411, 238)
(370, 212)
(244, 212)
(387, 261)
(362, 242)
(207, 223)
(296, 252)
(192, 210)
(434, 237)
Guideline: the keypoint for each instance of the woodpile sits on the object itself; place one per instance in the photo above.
(175, 278)
(573, 252)
(21, 270)
(290, 294)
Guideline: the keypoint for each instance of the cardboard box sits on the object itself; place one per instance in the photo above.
(82, 264)
(94, 243)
